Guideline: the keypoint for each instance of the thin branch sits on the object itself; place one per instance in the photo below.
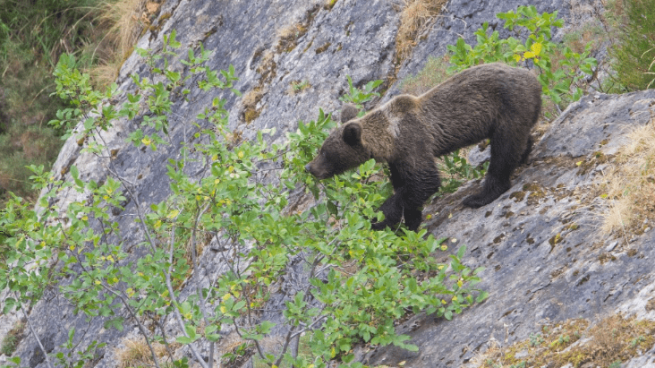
(176, 311)
(138, 323)
(259, 348)
(307, 292)
(196, 277)
(163, 334)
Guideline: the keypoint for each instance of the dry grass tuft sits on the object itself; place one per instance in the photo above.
(135, 353)
(298, 86)
(249, 110)
(630, 184)
(124, 21)
(288, 36)
(415, 20)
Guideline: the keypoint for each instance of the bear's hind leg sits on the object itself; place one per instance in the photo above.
(506, 153)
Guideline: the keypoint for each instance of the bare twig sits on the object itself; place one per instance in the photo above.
(171, 292)
(259, 348)
(196, 277)
(138, 323)
(163, 334)
(306, 296)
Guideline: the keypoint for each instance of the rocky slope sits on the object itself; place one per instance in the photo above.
(539, 267)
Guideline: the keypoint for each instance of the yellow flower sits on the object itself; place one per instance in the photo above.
(146, 141)
(517, 58)
(454, 298)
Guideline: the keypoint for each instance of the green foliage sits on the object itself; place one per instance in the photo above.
(73, 358)
(358, 97)
(560, 70)
(634, 52)
(536, 340)
(458, 170)
(360, 281)
(561, 340)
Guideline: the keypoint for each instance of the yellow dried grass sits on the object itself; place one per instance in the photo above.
(415, 19)
(629, 185)
(123, 21)
(135, 353)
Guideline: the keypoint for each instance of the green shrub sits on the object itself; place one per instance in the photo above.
(634, 52)
(360, 281)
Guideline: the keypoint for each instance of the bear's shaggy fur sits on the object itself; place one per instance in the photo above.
(493, 101)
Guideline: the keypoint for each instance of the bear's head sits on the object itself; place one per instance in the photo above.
(343, 148)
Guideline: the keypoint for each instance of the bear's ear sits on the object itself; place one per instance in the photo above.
(352, 134)
(348, 112)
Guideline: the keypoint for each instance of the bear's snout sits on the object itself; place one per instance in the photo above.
(317, 170)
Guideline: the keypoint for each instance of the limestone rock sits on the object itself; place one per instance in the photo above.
(539, 267)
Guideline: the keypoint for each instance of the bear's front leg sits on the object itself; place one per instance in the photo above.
(412, 189)
(392, 210)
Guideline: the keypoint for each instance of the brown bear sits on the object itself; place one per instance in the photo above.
(493, 101)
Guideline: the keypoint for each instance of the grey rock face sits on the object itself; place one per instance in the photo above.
(529, 279)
